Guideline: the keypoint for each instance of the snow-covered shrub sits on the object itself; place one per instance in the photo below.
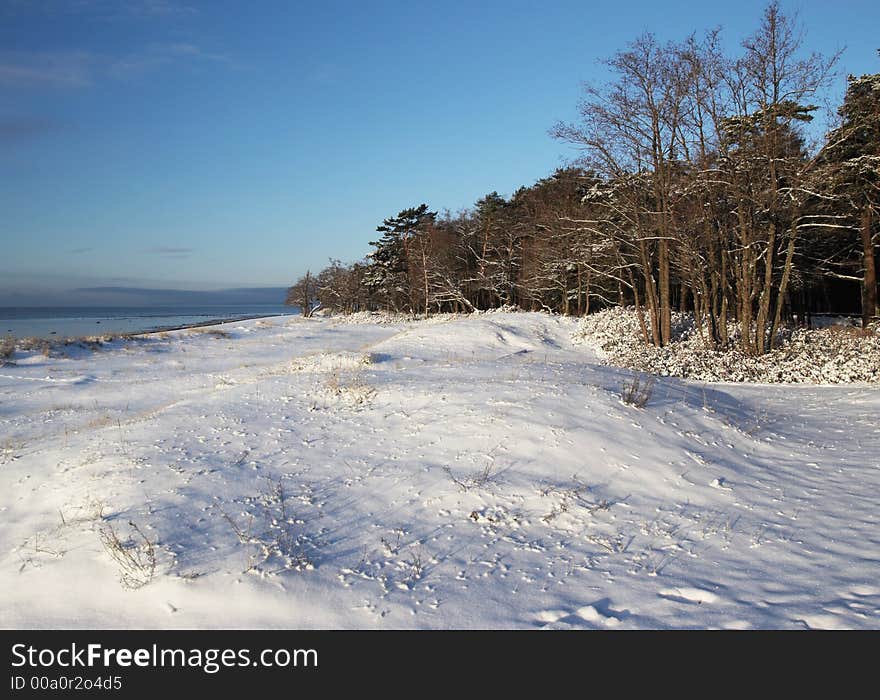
(33, 344)
(371, 317)
(503, 309)
(7, 350)
(348, 389)
(330, 362)
(636, 393)
(818, 356)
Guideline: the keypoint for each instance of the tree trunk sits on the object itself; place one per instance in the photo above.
(587, 292)
(580, 298)
(783, 285)
(565, 307)
(425, 276)
(723, 334)
(869, 281)
(650, 293)
(665, 305)
(761, 340)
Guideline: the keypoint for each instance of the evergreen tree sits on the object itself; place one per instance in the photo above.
(388, 273)
(849, 179)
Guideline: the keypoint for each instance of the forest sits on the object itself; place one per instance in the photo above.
(696, 188)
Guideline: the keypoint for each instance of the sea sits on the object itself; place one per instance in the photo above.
(74, 321)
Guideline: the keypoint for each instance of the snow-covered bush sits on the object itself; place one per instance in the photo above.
(330, 362)
(635, 393)
(819, 356)
(373, 317)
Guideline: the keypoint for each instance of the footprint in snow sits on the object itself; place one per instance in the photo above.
(822, 622)
(864, 591)
(737, 625)
(599, 614)
(689, 595)
(592, 615)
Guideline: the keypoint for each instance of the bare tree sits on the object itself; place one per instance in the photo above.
(630, 133)
(304, 294)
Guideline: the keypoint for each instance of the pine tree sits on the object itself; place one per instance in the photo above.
(388, 274)
(849, 177)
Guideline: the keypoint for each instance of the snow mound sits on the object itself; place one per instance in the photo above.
(819, 356)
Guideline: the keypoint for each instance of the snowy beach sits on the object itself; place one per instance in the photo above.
(73, 322)
(461, 472)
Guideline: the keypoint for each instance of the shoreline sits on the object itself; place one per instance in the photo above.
(203, 324)
(54, 337)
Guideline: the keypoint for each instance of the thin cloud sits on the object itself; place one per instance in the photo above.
(170, 252)
(67, 69)
(80, 69)
(113, 10)
(158, 9)
(162, 55)
(79, 251)
(16, 129)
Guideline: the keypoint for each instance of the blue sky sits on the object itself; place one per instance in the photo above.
(202, 145)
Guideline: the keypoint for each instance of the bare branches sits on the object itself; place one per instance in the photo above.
(135, 555)
(694, 189)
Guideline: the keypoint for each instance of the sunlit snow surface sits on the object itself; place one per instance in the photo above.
(461, 472)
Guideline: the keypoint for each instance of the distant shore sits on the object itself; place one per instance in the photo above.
(71, 323)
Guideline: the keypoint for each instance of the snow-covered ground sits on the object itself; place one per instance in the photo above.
(475, 471)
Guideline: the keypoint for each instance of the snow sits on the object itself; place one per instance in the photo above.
(460, 472)
(837, 354)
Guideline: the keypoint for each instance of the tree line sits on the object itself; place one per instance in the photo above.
(696, 190)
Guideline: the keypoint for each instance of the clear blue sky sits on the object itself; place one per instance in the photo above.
(226, 144)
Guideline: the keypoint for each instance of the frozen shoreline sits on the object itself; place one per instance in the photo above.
(202, 324)
(474, 471)
(74, 323)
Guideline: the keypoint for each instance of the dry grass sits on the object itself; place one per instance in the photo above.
(46, 347)
(40, 345)
(213, 332)
(270, 534)
(135, 555)
(101, 421)
(10, 451)
(637, 391)
(349, 388)
(105, 338)
(481, 479)
(7, 350)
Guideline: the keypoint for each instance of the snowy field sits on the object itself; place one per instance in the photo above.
(460, 472)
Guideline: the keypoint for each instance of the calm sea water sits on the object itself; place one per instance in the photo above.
(71, 321)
